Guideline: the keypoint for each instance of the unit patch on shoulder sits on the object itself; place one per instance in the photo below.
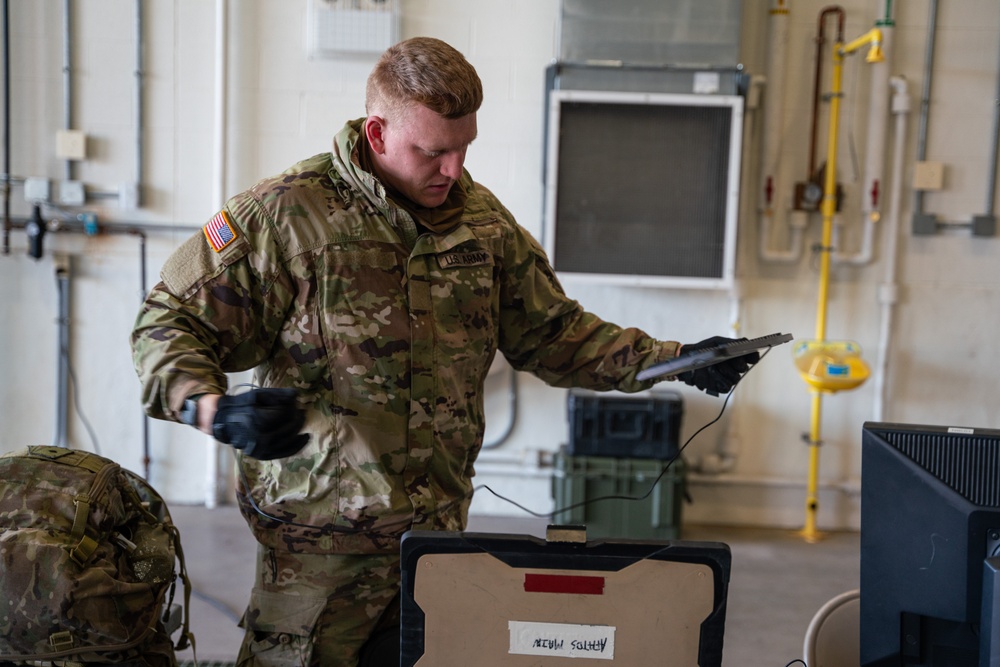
(220, 231)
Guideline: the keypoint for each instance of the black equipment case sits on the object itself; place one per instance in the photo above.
(517, 601)
(639, 427)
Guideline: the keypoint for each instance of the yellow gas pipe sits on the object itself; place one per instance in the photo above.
(828, 208)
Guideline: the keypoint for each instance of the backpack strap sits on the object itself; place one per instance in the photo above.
(103, 469)
(85, 545)
(186, 637)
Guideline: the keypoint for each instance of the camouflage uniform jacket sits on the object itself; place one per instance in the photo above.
(388, 334)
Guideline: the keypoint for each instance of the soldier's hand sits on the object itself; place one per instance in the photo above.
(262, 423)
(721, 377)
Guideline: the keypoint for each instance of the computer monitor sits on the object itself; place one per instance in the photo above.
(930, 539)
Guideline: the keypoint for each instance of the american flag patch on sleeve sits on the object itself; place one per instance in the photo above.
(220, 231)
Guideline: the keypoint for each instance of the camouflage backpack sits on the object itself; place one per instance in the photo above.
(87, 562)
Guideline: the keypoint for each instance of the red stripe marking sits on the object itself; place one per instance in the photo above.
(563, 583)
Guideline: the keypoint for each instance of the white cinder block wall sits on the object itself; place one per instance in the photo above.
(283, 106)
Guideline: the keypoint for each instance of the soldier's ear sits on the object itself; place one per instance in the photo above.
(375, 133)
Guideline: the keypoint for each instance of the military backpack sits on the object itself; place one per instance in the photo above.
(89, 562)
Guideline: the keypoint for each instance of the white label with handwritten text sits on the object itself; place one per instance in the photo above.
(596, 642)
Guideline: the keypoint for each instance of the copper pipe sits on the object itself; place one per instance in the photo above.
(817, 81)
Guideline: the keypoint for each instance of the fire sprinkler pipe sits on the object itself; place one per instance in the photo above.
(828, 207)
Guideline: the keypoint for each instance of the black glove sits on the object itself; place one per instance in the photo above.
(721, 377)
(262, 423)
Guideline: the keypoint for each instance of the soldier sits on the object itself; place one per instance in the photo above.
(370, 287)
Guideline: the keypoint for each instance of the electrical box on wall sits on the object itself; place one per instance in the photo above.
(928, 176)
(71, 145)
(352, 26)
(643, 188)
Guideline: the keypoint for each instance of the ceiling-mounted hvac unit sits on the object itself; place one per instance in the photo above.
(336, 27)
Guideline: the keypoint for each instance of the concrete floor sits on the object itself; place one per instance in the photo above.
(778, 581)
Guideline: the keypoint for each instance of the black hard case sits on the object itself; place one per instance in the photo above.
(527, 554)
(641, 427)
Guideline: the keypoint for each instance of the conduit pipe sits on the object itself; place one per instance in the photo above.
(212, 481)
(6, 126)
(773, 193)
(147, 458)
(874, 169)
(927, 223)
(139, 178)
(221, 101)
(991, 177)
(67, 70)
(925, 102)
(70, 225)
(62, 270)
(140, 111)
(887, 293)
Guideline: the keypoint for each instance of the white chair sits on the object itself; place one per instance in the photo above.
(833, 636)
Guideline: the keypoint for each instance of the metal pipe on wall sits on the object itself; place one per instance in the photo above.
(6, 126)
(874, 169)
(139, 180)
(62, 269)
(835, 10)
(139, 106)
(212, 482)
(888, 289)
(119, 227)
(928, 223)
(147, 459)
(773, 187)
(991, 175)
(925, 101)
(67, 78)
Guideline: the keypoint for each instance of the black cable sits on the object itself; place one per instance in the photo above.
(216, 604)
(797, 660)
(652, 486)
